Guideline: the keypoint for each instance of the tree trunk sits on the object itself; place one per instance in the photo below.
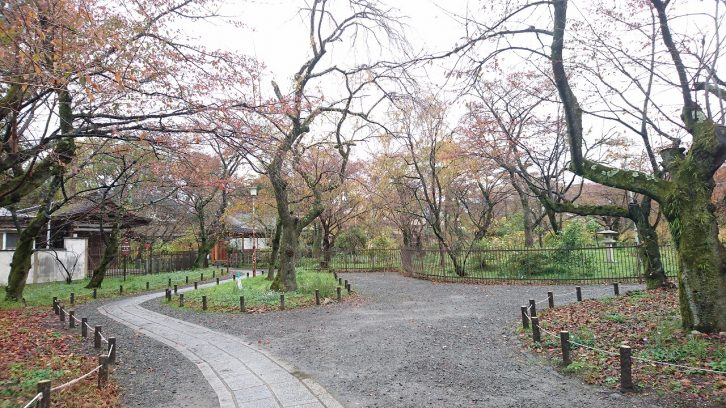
(648, 251)
(317, 232)
(327, 250)
(274, 250)
(20, 265)
(285, 280)
(109, 253)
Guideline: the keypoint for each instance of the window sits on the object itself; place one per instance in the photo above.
(11, 240)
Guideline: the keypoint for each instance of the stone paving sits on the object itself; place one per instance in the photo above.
(241, 376)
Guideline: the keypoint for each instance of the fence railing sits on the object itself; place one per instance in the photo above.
(151, 263)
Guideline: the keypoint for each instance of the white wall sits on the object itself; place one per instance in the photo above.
(48, 265)
(261, 243)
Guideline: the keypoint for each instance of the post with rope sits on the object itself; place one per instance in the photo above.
(72, 319)
(102, 371)
(112, 350)
(565, 342)
(525, 318)
(626, 365)
(536, 336)
(55, 305)
(97, 337)
(62, 314)
(551, 300)
(44, 390)
(532, 308)
(84, 327)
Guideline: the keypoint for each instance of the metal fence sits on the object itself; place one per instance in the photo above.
(151, 263)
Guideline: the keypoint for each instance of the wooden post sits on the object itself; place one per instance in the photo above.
(181, 300)
(347, 286)
(147, 285)
(214, 273)
(97, 337)
(217, 281)
(72, 319)
(337, 292)
(73, 298)
(195, 285)
(120, 289)
(168, 283)
(112, 350)
(84, 327)
(62, 313)
(565, 343)
(242, 304)
(186, 279)
(103, 371)
(340, 281)
(204, 302)
(94, 293)
(317, 297)
(282, 301)
(535, 329)
(248, 274)
(525, 319)
(532, 308)
(55, 305)
(616, 289)
(175, 289)
(201, 277)
(44, 388)
(551, 300)
(579, 293)
(626, 364)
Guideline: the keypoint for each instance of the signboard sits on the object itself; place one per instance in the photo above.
(125, 247)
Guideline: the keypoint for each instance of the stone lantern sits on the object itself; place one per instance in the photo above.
(609, 241)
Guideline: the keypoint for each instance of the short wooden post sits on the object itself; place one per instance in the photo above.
(204, 302)
(176, 287)
(84, 327)
(347, 286)
(248, 274)
(62, 313)
(242, 304)
(112, 350)
(186, 279)
(103, 371)
(72, 319)
(337, 292)
(97, 337)
(217, 281)
(282, 301)
(565, 344)
(94, 293)
(535, 329)
(147, 285)
(228, 269)
(532, 308)
(525, 319)
(168, 283)
(55, 305)
(626, 365)
(201, 277)
(214, 273)
(579, 293)
(551, 300)
(44, 389)
(73, 298)
(195, 285)
(335, 275)
(616, 289)
(317, 297)
(120, 289)
(234, 277)
(340, 281)
(181, 300)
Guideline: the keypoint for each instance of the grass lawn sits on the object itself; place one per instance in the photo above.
(259, 297)
(35, 348)
(649, 322)
(41, 294)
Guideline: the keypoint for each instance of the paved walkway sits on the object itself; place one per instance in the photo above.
(242, 376)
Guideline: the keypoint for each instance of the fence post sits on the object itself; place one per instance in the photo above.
(551, 300)
(175, 289)
(112, 350)
(242, 304)
(62, 313)
(616, 289)
(525, 319)
(317, 297)
(201, 277)
(347, 286)
(532, 308)
(103, 371)
(73, 298)
(204, 302)
(44, 388)
(579, 293)
(84, 327)
(147, 285)
(168, 283)
(217, 281)
(97, 337)
(626, 364)
(186, 279)
(282, 301)
(214, 273)
(565, 343)
(181, 300)
(94, 293)
(535, 329)
(195, 285)
(55, 305)
(120, 289)
(72, 319)
(337, 292)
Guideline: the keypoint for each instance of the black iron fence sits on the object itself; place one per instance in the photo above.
(151, 263)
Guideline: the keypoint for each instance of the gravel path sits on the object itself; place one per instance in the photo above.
(414, 343)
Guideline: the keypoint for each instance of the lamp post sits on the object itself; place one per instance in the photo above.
(253, 193)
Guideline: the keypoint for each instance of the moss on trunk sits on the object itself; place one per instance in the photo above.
(21, 262)
(285, 280)
(109, 254)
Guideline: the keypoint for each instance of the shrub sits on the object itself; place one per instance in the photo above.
(351, 240)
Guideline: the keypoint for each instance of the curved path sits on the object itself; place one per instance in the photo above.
(240, 375)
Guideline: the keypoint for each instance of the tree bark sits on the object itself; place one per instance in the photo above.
(20, 265)
(109, 254)
(648, 251)
(286, 279)
(274, 250)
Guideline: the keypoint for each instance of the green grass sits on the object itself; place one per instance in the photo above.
(257, 293)
(41, 294)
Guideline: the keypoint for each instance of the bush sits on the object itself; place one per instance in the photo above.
(351, 240)
(384, 240)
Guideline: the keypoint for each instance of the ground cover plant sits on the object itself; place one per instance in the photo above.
(35, 348)
(41, 294)
(649, 322)
(259, 297)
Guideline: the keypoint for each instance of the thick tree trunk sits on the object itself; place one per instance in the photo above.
(20, 265)
(648, 251)
(327, 250)
(109, 254)
(274, 250)
(317, 232)
(202, 258)
(285, 280)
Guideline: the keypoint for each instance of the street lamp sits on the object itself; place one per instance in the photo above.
(253, 193)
